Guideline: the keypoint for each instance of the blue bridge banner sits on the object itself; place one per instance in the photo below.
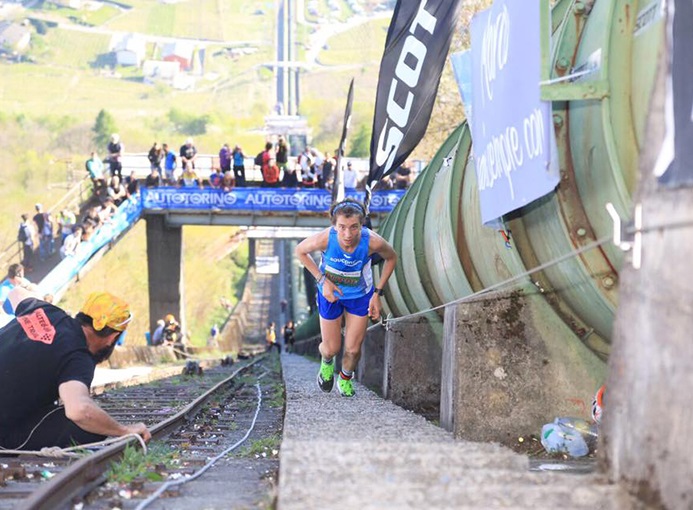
(258, 199)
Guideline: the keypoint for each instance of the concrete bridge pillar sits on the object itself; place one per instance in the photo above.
(165, 267)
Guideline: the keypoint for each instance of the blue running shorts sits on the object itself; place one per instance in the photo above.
(356, 306)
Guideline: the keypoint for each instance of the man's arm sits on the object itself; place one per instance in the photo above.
(380, 246)
(83, 411)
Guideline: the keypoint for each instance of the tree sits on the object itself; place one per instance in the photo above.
(360, 142)
(103, 128)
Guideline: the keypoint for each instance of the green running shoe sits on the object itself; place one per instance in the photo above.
(326, 376)
(345, 387)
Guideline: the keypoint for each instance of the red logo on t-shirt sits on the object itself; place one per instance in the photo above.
(37, 326)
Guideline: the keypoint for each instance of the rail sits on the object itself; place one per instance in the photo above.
(88, 472)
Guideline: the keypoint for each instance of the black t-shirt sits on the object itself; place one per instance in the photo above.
(40, 349)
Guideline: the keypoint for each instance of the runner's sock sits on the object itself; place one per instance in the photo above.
(328, 361)
(346, 374)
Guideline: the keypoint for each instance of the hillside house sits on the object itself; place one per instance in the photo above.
(181, 52)
(72, 4)
(160, 71)
(129, 49)
(14, 38)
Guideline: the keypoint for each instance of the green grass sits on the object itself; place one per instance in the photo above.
(266, 446)
(135, 464)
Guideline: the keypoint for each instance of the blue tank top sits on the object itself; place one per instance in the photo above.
(351, 272)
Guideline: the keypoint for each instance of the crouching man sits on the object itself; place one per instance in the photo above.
(46, 354)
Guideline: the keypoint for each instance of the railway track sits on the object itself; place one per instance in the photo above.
(193, 419)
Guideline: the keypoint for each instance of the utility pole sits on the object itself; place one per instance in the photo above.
(648, 414)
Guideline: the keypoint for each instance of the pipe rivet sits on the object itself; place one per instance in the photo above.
(608, 282)
(579, 8)
(581, 232)
(562, 64)
(557, 120)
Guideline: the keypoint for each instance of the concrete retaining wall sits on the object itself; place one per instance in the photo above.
(413, 357)
(508, 369)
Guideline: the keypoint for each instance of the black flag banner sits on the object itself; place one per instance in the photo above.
(416, 50)
(338, 184)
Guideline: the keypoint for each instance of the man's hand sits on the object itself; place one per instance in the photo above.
(140, 429)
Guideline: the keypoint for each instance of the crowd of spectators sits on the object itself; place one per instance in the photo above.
(45, 236)
(311, 169)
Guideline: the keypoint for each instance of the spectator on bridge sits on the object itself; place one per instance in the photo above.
(282, 153)
(305, 160)
(345, 287)
(189, 179)
(132, 185)
(225, 158)
(349, 177)
(270, 174)
(115, 154)
(402, 176)
(14, 278)
(71, 242)
(153, 180)
(39, 219)
(309, 179)
(290, 179)
(95, 169)
(327, 168)
(91, 222)
(25, 236)
(170, 164)
(215, 178)
(155, 157)
(46, 355)
(318, 159)
(116, 191)
(66, 221)
(47, 243)
(266, 156)
(107, 210)
(239, 166)
(227, 182)
(188, 155)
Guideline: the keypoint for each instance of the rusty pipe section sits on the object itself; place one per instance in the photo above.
(445, 252)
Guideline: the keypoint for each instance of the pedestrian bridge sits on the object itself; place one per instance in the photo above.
(272, 207)
(271, 212)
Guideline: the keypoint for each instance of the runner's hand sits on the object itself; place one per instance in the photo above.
(330, 290)
(374, 307)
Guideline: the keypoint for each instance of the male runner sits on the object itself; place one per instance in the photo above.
(345, 287)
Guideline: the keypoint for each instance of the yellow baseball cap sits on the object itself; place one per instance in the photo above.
(107, 310)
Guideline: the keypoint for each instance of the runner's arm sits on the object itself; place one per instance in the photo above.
(378, 245)
(316, 242)
(83, 411)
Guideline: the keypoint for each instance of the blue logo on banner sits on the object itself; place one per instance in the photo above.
(511, 130)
